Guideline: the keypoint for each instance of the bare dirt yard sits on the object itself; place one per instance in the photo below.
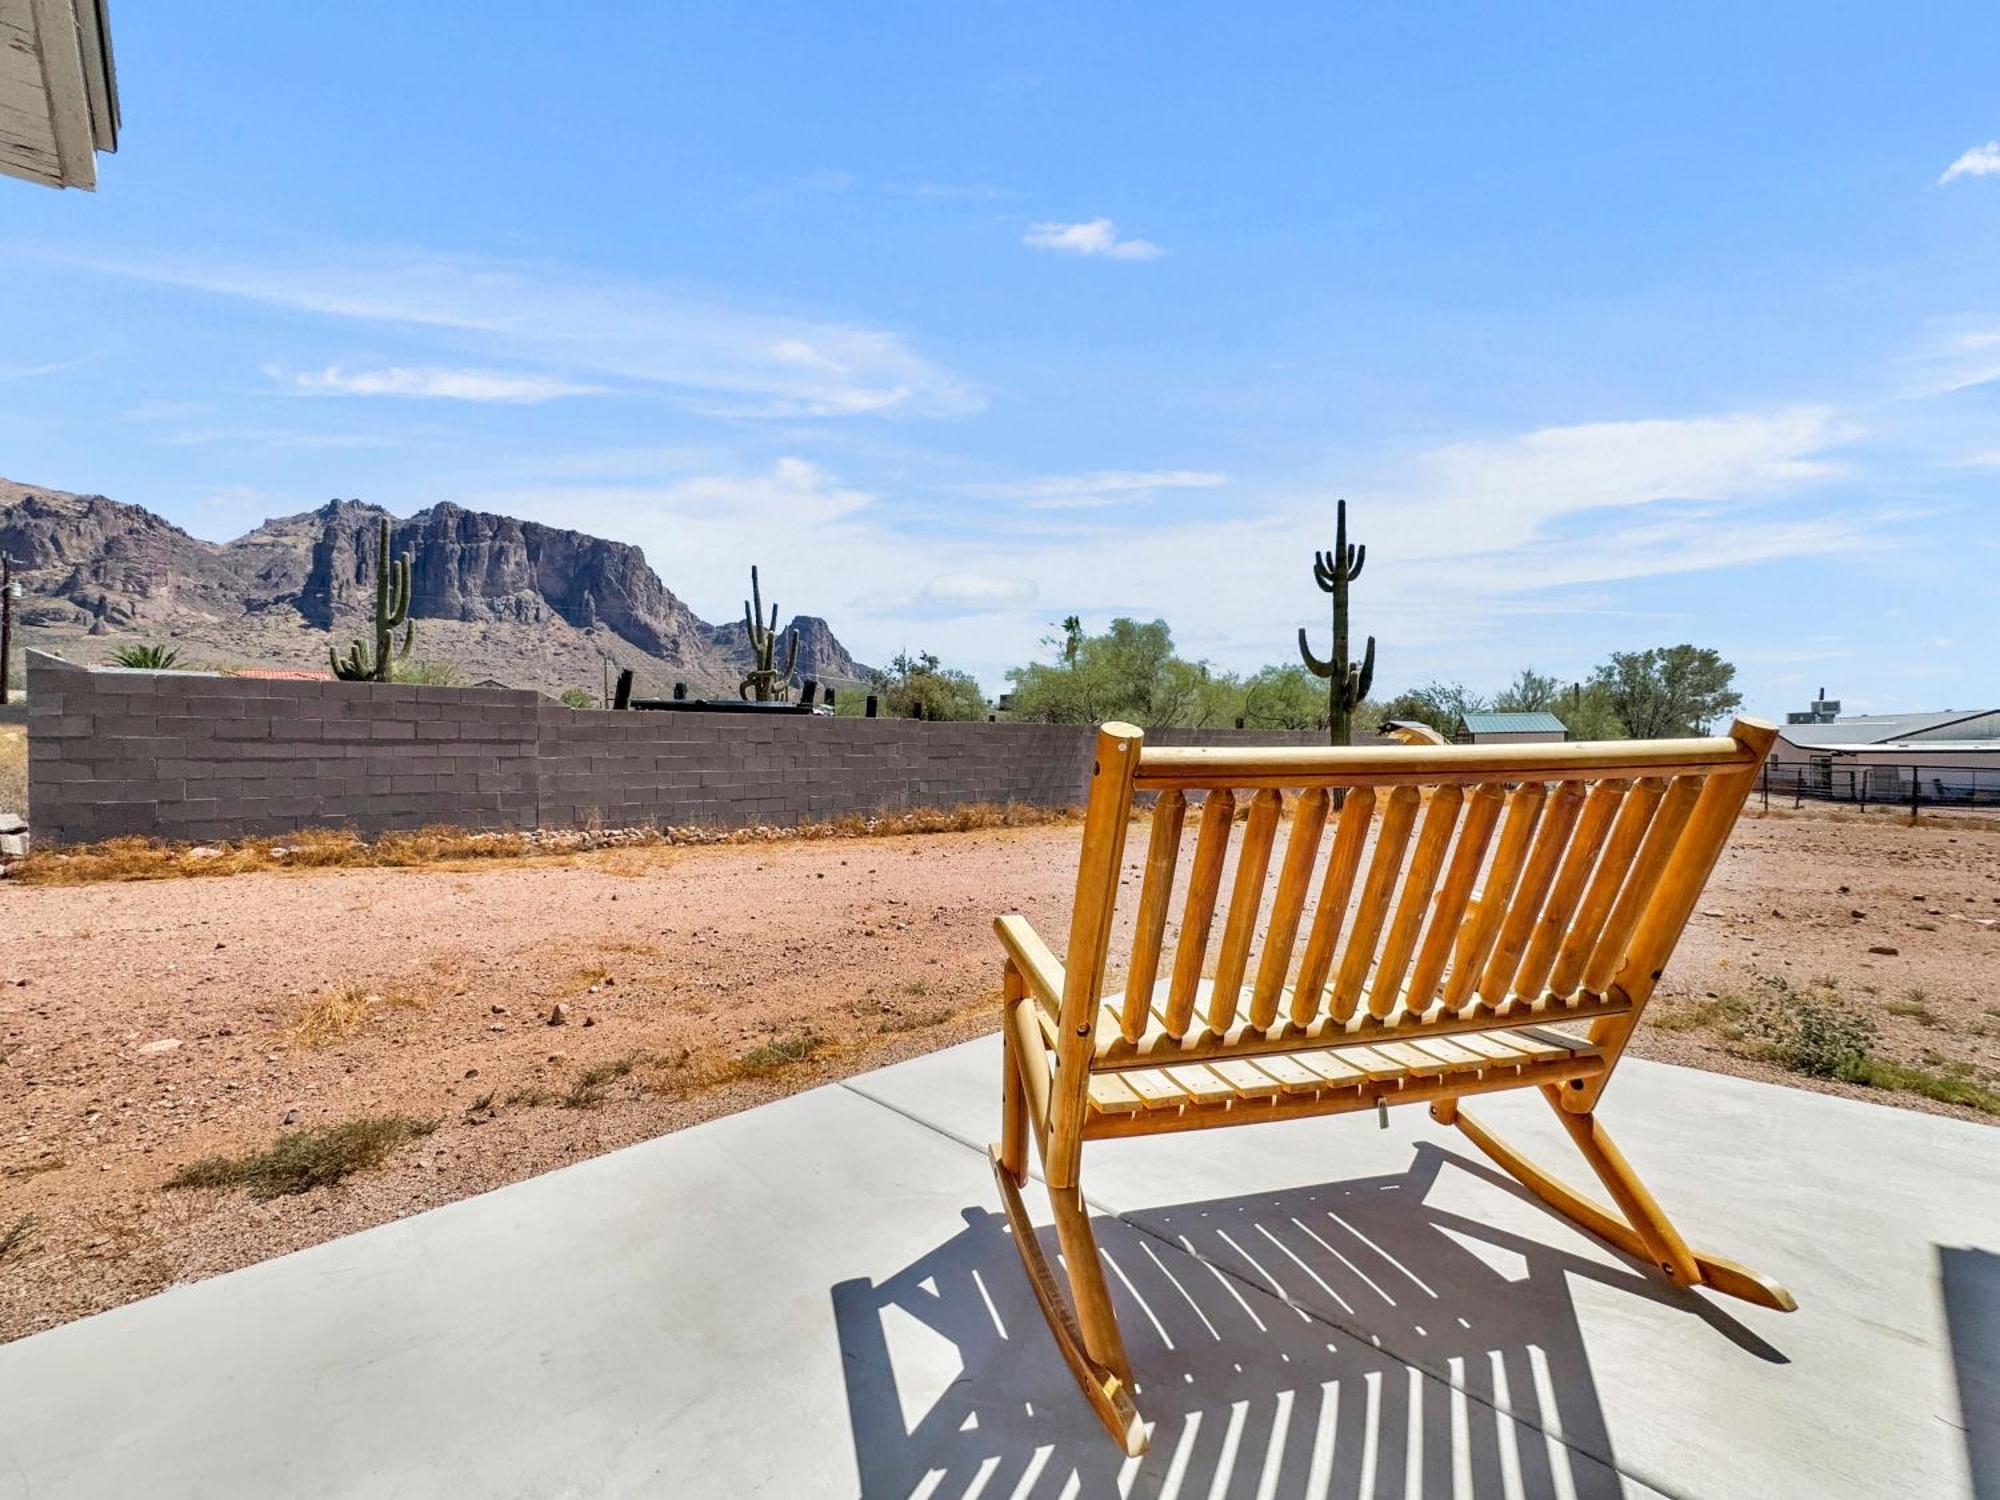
(397, 1022)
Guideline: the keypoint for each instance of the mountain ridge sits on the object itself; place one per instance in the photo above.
(497, 597)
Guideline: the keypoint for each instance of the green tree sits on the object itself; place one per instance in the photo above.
(1130, 672)
(1438, 704)
(922, 687)
(1284, 698)
(1668, 690)
(579, 698)
(1587, 712)
(1529, 693)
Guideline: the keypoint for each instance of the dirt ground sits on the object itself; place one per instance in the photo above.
(13, 768)
(145, 1025)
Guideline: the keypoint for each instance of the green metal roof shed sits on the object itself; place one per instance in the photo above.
(1485, 726)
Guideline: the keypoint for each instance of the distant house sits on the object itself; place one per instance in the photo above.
(1954, 750)
(1510, 729)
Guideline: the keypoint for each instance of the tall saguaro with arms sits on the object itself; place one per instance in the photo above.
(1347, 682)
(1434, 914)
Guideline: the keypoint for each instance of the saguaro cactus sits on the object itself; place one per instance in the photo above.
(392, 608)
(1347, 682)
(764, 683)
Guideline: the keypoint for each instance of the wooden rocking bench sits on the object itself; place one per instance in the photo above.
(1505, 888)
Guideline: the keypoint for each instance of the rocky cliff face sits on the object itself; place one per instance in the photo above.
(92, 562)
(512, 600)
(821, 656)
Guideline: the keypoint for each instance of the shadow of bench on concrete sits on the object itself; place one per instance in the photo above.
(1970, 1282)
(1273, 1338)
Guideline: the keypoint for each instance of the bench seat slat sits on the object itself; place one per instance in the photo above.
(1201, 1083)
(1155, 1089)
(1247, 1079)
(1492, 1046)
(1454, 1057)
(1346, 1077)
(1292, 1076)
(1342, 1072)
(1111, 1094)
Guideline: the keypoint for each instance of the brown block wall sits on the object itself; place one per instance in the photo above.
(184, 755)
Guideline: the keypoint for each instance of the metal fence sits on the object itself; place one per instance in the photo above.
(1864, 786)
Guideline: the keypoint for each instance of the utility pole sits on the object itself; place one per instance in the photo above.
(6, 627)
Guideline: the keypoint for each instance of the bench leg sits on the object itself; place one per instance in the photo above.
(1012, 1152)
(1084, 1324)
(1109, 1394)
(1644, 1229)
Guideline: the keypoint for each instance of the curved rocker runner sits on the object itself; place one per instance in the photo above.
(1469, 897)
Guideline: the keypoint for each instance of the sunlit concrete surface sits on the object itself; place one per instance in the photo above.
(819, 1297)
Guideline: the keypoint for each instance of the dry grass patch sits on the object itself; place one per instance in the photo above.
(16, 1234)
(1915, 1006)
(306, 1159)
(321, 848)
(587, 1089)
(920, 1020)
(312, 849)
(332, 1018)
(22, 1170)
(1813, 1030)
(779, 1054)
(13, 768)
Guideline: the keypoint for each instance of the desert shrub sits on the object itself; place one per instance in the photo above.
(578, 698)
(419, 672)
(146, 658)
(306, 1159)
(1814, 1032)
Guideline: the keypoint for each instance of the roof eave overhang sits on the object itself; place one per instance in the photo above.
(77, 104)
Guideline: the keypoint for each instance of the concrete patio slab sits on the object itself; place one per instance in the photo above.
(818, 1298)
(1855, 1207)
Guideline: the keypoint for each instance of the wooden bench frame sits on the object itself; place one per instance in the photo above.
(1438, 988)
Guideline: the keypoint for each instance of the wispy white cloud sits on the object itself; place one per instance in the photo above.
(1980, 161)
(437, 384)
(36, 372)
(1473, 496)
(963, 192)
(978, 590)
(1098, 489)
(1959, 362)
(1552, 524)
(1090, 237)
(283, 438)
(716, 358)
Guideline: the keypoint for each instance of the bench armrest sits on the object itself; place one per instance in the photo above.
(1038, 966)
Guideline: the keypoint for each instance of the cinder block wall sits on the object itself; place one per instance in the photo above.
(184, 755)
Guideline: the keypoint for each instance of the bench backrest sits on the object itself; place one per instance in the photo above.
(1458, 874)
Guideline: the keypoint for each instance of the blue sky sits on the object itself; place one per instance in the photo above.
(1616, 328)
